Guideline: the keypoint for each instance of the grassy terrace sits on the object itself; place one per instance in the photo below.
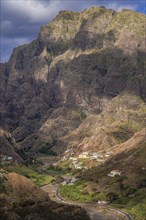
(79, 192)
(75, 193)
(37, 178)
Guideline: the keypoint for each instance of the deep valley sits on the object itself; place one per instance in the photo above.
(73, 119)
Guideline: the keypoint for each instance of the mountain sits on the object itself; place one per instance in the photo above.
(20, 199)
(80, 85)
(75, 98)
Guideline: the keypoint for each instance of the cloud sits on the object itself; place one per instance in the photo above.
(9, 44)
(28, 10)
(119, 7)
(6, 24)
(20, 17)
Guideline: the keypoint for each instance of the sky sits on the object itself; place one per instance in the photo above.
(20, 20)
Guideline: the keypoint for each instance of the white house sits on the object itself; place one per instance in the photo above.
(71, 158)
(64, 158)
(79, 167)
(64, 183)
(114, 173)
(66, 151)
(84, 155)
(95, 155)
(102, 202)
(55, 164)
(10, 158)
(107, 154)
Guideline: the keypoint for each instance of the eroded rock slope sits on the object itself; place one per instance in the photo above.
(78, 84)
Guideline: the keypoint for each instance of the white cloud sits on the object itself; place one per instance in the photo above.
(120, 6)
(32, 10)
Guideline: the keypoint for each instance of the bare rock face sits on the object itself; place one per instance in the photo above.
(88, 64)
(8, 146)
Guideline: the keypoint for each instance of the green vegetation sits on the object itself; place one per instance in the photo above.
(2, 183)
(75, 192)
(52, 170)
(79, 191)
(139, 211)
(122, 134)
(135, 204)
(37, 178)
(83, 115)
(131, 200)
(45, 149)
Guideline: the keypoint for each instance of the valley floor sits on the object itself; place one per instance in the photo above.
(95, 211)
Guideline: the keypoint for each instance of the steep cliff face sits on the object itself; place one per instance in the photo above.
(8, 146)
(82, 76)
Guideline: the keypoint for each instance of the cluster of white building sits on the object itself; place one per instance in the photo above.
(6, 159)
(93, 156)
(99, 157)
(77, 165)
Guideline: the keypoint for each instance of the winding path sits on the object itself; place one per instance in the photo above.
(94, 210)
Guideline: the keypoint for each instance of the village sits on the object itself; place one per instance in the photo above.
(84, 160)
